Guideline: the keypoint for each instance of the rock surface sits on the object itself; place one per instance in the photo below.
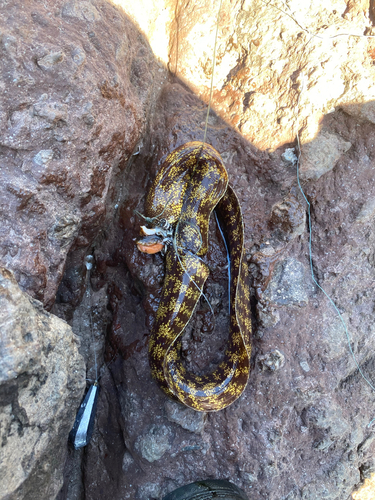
(266, 55)
(42, 377)
(321, 155)
(76, 82)
(92, 95)
(300, 430)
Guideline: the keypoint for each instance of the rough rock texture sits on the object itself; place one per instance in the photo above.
(321, 155)
(300, 431)
(367, 490)
(264, 59)
(76, 82)
(42, 377)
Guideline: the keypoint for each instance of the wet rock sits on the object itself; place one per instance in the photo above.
(154, 443)
(185, 417)
(304, 328)
(42, 378)
(92, 108)
(72, 116)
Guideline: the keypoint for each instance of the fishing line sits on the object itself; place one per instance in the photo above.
(313, 35)
(228, 256)
(212, 75)
(307, 201)
(205, 135)
(83, 427)
(188, 275)
(311, 261)
(198, 158)
(150, 220)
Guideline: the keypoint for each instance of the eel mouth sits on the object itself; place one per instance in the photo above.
(150, 244)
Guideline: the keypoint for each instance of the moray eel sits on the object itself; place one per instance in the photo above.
(191, 183)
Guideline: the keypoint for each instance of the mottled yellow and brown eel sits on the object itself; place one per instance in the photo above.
(191, 183)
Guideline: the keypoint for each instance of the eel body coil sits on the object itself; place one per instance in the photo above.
(191, 183)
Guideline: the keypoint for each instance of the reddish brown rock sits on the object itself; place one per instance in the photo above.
(76, 81)
(300, 429)
(71, 184)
